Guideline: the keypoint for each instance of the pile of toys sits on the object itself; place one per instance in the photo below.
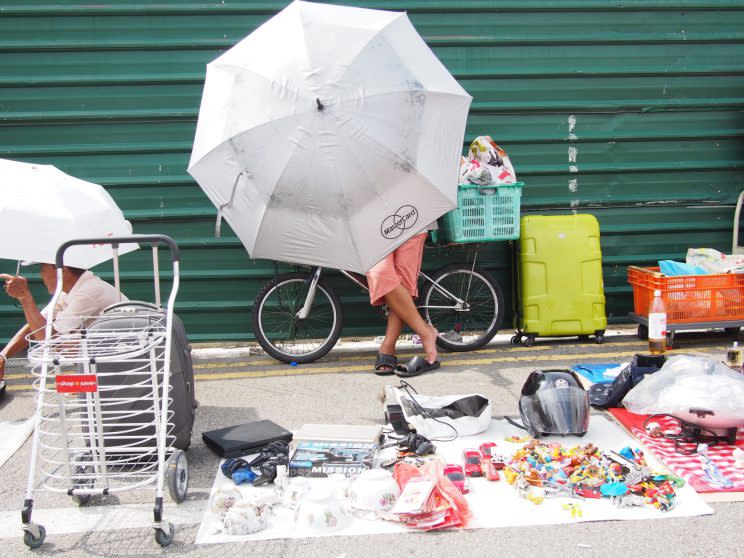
(541, 469)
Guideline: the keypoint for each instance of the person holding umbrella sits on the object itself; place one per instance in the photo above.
(394, 280)
(86, 297)
(56, 207)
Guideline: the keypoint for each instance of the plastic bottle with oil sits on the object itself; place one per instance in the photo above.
(735, 356)
(657, 325)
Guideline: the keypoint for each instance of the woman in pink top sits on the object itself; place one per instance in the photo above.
(394, 281)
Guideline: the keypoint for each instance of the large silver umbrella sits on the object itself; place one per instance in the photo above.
(329, 136)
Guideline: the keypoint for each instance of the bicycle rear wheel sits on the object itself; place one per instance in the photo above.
(281, 333)
(472, 324)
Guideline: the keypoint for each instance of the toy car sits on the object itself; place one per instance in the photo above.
(499, 460)
(471, 461)
(457, 476)
(487, 449)
(489, 468)
(588, 491)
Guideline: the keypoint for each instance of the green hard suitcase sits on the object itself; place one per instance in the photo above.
(560, 278)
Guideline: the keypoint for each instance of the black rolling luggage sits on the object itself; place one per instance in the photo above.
(134, 316)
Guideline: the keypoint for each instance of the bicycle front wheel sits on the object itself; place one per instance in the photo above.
(285, 336)
(470, 322)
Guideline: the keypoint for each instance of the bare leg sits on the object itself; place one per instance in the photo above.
(401, 302)
(394, 329)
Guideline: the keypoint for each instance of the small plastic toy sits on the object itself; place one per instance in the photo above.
(514, 439)
(487, 448)
(471, 460)
(457, 476)
(575, 510)
(738, 455)
(489, 468)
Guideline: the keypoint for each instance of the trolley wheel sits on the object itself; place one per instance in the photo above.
(642, 332)
(532, 432)
(34, 536)
(732, 331)
(164, 535)
(81, 499)
(599, 338)
(583, 338)
(516, 339)
(530, 340)
(177, 475)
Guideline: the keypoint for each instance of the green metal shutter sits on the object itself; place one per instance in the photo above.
(631, 111)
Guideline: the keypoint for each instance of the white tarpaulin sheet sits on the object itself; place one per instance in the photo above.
(494, 504)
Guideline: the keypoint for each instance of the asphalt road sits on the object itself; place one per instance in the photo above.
(340, 389)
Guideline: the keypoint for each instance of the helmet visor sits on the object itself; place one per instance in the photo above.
(557, 411)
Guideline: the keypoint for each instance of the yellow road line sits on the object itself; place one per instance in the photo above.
(262, 361)
(211, 365)
(302, 370)
(311, 369)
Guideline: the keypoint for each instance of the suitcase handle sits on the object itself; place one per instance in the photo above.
(115, 241)
(126, 303)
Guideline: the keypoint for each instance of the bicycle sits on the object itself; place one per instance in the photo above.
(297, 316)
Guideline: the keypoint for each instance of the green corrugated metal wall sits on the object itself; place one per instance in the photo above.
(632, 111)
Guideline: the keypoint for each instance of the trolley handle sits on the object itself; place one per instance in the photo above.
(115, 241)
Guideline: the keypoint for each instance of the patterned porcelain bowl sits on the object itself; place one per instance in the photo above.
(295, 491)
(223, 500)
(321, 511)
(244, 518)
(374, 490)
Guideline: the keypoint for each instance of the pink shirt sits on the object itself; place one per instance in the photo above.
(85, 301)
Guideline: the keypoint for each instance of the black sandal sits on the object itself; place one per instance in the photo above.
(385, 364)
(415, 366)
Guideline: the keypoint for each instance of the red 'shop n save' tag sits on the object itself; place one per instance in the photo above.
(76, 383)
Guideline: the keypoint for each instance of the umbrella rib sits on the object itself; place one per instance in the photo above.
(270, 80)
(403, 162)
(278, 180)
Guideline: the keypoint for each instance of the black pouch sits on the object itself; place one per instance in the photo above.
(610, 395)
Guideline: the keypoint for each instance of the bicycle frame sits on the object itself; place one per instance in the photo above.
(459, 304)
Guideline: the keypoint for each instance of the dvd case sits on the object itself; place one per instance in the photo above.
(320, 458)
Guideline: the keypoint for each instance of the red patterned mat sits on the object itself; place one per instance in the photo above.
(689, 467)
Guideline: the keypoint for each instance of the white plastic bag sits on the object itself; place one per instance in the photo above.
(687, 384)
(442, 417)
(494, 161)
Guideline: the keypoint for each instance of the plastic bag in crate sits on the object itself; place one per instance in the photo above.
(486, 151)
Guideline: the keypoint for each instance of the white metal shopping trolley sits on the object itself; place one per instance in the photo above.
(104, 422)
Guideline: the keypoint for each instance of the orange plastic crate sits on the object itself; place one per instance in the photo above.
(689, 298)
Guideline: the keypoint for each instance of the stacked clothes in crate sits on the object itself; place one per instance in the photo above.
(488, 197)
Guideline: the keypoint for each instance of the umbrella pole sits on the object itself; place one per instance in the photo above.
(115, 250)
(18, 268)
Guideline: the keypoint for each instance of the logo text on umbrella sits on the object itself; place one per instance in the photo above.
(394, 225)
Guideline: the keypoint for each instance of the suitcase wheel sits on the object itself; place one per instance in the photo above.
(599, 338)
(516, 339)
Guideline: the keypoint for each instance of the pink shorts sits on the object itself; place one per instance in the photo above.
(401, 267)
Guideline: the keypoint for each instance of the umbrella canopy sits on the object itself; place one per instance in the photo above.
(41, 207)
(329, 136)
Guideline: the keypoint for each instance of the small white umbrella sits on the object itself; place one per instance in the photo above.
(329, 136)
(41, 207)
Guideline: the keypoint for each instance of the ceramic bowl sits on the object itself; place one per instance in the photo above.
(244, 518)
(321, 511)
(374, 490)
(223, 500)
(295, 491)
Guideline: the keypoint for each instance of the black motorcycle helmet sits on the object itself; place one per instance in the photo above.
(554, 402)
